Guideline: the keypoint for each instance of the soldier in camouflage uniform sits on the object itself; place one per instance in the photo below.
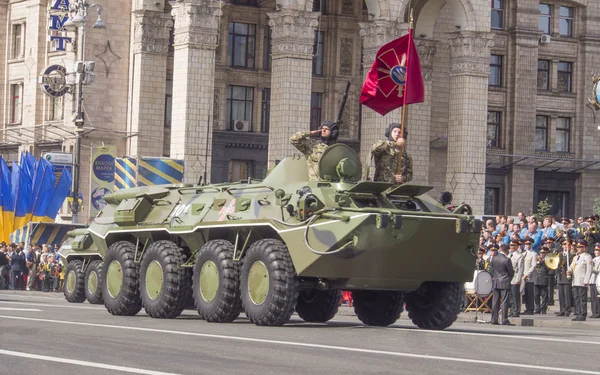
(386, 154)
(313, 148)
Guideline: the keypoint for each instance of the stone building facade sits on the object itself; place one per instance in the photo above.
(223, 84)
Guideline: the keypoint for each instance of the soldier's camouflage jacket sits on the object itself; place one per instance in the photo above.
(312, 149)
(386, 157)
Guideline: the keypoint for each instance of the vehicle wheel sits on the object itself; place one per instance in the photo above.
(93, 282)
(378, 308)
(163, 280)
(269, 286)
(217, 282)
(74, 283)
(435, 305)
(318, 306)
(120, 284)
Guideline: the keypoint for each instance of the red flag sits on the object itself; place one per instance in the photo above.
(395, 78)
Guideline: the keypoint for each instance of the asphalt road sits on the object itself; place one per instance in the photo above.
(43, 334)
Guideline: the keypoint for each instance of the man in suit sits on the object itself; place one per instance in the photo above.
(502, 274)
(565, 291)
(529, 264)
(581, 271)
(516, 258)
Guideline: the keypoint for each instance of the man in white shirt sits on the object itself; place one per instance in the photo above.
(581, 273)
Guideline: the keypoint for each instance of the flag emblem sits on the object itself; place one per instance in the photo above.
(393, 72)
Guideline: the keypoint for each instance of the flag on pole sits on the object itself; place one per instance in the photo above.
(43, 189)
(58, 197)
(8, 203)
(396, 66)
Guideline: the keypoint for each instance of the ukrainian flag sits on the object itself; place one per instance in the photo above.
(8, 203)
(60, 193)
(29, 166)
(43, 189)
(22, 194)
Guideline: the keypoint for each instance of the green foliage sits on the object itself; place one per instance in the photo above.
(597, 206)
(543, 208)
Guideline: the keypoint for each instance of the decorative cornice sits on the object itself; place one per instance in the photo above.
(151, 32)
(293, 32)
(196, 23)
(427, 49)
(377, 33)
(470, 52)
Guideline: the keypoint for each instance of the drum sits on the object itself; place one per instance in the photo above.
(481, 285)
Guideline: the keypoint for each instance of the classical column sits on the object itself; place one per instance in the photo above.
(293, 37)
(469, 72)
(196, 32)
(419, 116)
(375, 34)
(149, 76)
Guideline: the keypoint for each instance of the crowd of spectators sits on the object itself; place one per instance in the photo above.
(33, 268)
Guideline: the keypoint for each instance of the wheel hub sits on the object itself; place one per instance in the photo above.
(154, 279)
(114, 278)
(258, 283)
(209, 281)
(92, 282)
(71, 281)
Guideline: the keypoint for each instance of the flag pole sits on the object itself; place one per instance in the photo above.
(403, 121)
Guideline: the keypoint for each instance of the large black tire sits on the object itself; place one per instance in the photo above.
(169, 300)
(318, 306)
(378, 308)
(435, 305)
(126, 299)
(277, 305)
(215, 265)
(93, 283)
(74, 282)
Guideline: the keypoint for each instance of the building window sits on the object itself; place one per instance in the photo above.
(558, 199)
(563, 134)
(16, 108)
(497, 14)
(566, 21)
(565, 76)
(267, 49)
(545, 20)
(240, 100)
(541, 133)
(316, 101)
(240, 170)
(491, 201)
(495, 71)
(493, 128)
(18, 40)
(543, 76)
(317, 68)
(265, 109)
(241, 45)
(253, 3)
(168, 103)
(56, 108)
(320, 6)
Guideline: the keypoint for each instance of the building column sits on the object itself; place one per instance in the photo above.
(469, 72)
(375, 34)
(196, 38)
(149, 75)
(419, 116)
(293, 38)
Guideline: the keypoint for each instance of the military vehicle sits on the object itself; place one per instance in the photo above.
(276, 246)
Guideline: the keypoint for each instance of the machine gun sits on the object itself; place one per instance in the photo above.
(338, 120)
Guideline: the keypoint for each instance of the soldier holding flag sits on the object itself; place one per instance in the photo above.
(387, 157)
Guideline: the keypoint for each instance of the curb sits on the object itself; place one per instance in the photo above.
(530, 322)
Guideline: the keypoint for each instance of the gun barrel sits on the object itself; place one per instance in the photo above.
(343, 103)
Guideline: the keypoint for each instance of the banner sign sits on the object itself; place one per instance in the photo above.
(58, 16)
(102, 176)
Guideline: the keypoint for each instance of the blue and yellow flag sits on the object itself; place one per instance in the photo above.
(60, 193)
(8, 203)
(22, 195)
(43, 189)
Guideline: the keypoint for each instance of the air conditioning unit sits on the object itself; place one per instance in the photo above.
(545, 39)
(241, 125)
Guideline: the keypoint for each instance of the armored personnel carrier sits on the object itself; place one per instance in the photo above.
(277, 246)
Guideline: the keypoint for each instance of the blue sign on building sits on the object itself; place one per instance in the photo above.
(58, 16)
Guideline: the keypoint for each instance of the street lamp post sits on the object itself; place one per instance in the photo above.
(78, 11)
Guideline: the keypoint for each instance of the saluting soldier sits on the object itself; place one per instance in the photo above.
(565, 295)
(313, 148)
(387, 156)
(529, 264)
(581, 271)
(516, 258)
(540, 281)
